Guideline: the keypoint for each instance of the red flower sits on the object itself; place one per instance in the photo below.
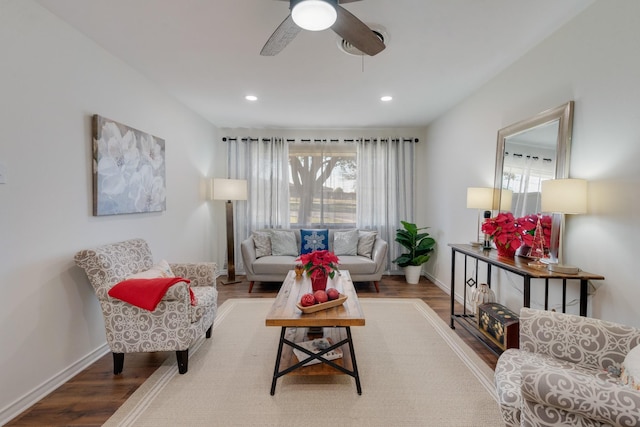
(508, 231)
(529, 222)
(505, 230)
(319, 262)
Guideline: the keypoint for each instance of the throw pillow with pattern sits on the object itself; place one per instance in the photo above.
(366, 241)
(314, 240)
(262, 243)
(345, 242)
(283, 242)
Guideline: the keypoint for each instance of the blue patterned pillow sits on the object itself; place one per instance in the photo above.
(313, 240)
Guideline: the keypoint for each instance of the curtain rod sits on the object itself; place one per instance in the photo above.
(246, 139)
(528, 156)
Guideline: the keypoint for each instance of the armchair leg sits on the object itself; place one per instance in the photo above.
(208, 334)
(183, 360)
(376, 285)
(251, 286)
(118, 363)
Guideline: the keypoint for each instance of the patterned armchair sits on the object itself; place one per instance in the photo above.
(174, 324)
(567, 372)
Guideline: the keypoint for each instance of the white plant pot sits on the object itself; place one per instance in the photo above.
(412, 273)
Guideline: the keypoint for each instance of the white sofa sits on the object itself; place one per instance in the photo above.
(274, 268)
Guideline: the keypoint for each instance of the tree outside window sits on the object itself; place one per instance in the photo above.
(322, 185)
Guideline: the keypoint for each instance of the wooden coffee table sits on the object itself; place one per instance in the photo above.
(334, 323)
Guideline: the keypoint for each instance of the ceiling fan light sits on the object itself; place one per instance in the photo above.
(314, 15)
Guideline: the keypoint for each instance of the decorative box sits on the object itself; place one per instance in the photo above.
(499, 324)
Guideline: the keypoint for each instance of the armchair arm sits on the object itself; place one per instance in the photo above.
(550, 390)
(200, 273)
(594, 343)
(248, 250)
(379, 253)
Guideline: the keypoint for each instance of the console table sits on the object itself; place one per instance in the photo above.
(517, 265)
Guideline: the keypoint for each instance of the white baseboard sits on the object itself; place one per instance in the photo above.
(32, 397)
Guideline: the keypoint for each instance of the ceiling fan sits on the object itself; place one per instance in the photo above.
(341, 21)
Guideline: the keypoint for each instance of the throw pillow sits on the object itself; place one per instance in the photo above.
(313, 240)
(366, 241)
(262, 243)
(345, 242)
(283, 242)
(160, 269)
(630, 373)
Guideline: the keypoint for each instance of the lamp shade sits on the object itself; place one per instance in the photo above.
(228, 189)
(506, 197)
(567, 196)
(314, 15)
(482, 198)
(479, 198)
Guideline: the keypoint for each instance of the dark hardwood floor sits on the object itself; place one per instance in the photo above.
(92, 396)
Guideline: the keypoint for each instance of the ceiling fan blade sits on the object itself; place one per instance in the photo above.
(281, 37)
(357, 32)
(339, 1)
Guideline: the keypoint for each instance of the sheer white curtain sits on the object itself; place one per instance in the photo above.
(264, 163)
(523, 173)
(385, 188)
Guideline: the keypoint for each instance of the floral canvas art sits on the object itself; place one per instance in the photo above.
(128, 169)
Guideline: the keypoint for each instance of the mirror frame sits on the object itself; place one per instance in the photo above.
(562, 113)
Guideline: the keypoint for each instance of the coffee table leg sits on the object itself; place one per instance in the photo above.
(356, 375)
(276, 370)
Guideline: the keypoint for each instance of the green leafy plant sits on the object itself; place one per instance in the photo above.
(419, 245)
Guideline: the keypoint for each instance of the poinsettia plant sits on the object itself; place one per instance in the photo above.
(530, 222)
(505, 230)
(319, 263)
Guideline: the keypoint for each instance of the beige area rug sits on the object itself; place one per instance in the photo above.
(414, 371)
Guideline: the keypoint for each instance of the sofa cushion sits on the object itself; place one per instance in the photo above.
(345, 242)
(274, 265)
(357, 265)
(283, 242)
(366, 241)
(262, 243)
(314, 240)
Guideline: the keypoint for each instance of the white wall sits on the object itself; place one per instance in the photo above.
(592, 60)
(52, 80)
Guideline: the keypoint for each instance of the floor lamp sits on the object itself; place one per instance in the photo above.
(229, 190)
(563, 196)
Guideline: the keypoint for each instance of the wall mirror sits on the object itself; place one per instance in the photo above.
(529, 152)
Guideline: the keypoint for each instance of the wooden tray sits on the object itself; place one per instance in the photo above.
(323, 306)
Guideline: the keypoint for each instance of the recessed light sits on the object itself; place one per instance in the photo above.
(251, 98)
(386, 98)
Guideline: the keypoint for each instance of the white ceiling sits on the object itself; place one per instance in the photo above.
(206, 54)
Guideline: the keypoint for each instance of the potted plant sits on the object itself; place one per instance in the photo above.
(419, 246)
(319, 265)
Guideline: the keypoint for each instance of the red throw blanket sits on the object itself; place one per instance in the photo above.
(146, 293)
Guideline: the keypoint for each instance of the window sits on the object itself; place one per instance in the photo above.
(322, 185)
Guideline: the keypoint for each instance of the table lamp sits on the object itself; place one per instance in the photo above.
(482, 198)
(563, 196)
(229, 190)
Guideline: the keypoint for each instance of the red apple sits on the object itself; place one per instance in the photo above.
(307, 300)
(333, 293)
(321, 296)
